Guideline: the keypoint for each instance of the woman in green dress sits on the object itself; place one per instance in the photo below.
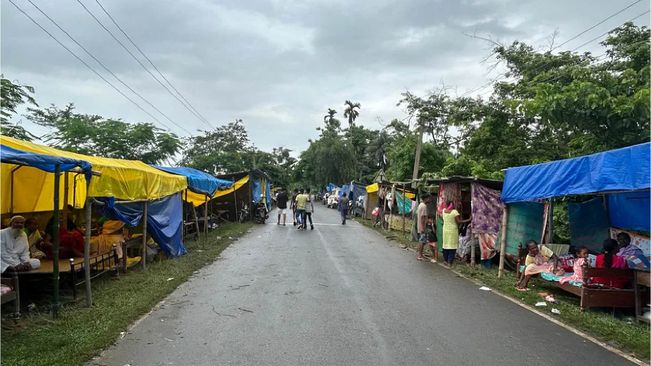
(451, 220)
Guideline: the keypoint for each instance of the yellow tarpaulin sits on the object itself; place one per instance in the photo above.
(237, 185)
(372, 188)
(126, 180)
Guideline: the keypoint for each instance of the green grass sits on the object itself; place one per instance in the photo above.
(624, 334)
(79, 333)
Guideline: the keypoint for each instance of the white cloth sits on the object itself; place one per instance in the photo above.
(15, 248)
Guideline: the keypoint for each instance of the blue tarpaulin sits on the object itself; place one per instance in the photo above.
(43, 162)
(588, 223)
(630, 210)
(198, 181)
(331, 187)
(164, 220)
(268, 195)
(256, 188)
(344, 190)
(625, 169)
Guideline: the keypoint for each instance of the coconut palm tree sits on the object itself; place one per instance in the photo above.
(351, 113)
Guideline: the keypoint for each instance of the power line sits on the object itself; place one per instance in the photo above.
(135, 58)
(596, 25)
(572, 50)
(150, 62)
(106, 68)
(86, 64)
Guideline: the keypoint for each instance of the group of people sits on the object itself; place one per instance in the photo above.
(541, 259)
(23, 245)
(301, 205)
(426, 227)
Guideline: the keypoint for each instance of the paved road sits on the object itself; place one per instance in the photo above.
(340, 295)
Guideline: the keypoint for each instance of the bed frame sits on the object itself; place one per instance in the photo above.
(11, 279)
(593, 296)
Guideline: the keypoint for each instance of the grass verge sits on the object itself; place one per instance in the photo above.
(80, 333)
(625, 334)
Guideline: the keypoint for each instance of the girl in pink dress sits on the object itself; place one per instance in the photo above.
(582, 256)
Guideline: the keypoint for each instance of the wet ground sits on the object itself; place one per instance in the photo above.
(340, 295)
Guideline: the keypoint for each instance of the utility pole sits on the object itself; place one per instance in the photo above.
(414, 176)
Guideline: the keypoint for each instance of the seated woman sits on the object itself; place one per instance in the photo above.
(71, 242)
(608, 259)
(539, 259)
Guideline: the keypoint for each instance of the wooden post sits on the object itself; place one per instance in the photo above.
(65, 199)
(196, 219)
(404, 197)
(505, 218)
(144, 237)
(550, 224)
(89, 296)
(393, 197)
(205, 218)
(472, 253)
(56, 242)
(236, 218)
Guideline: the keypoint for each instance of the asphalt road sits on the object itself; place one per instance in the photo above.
(340, 295)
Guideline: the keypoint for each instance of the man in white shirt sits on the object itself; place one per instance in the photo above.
(421, 217)
(15, 247)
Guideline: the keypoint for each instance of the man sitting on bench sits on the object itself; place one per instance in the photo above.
(15, 248)
(540, 259)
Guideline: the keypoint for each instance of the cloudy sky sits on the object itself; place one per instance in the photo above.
(280, 64)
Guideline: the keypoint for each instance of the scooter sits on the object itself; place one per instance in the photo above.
(261, 214)
(244, 213)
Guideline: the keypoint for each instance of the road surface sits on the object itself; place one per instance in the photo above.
(340, 295)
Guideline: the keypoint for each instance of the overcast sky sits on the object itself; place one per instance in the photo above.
(280, 64)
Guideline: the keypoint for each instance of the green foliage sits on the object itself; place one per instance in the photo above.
(14, 95)
(94, 135)
(226, 149)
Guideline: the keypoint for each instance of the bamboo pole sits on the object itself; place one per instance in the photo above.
(89, 296)
(56, 242)
(144, 237)
(205, 218)
(393, 197)
(237, 218)
(404, 198)
(505, 218)
(66, 185)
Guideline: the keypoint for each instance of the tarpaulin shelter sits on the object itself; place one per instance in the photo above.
(202, 187)
(479, 198)
(622, 177)
(125, 180)
(248, 188)
(13, 160)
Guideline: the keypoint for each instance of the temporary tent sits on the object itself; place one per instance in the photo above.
(201, 189)
(474, 197)
(621, 176)
(201, 186)
(13, 160)
(123, 180)
(248, 187)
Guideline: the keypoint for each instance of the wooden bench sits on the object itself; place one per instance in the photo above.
(11, 280)
(74, 269)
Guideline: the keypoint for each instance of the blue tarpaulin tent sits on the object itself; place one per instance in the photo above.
(625, 169)
(43, 162)
(164, 223)
(198, 181)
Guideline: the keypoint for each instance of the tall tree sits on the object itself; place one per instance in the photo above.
(226, 149)
(351, 112)
(95, 135)
(14, 95)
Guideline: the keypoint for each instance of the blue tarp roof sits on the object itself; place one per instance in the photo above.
(625, 169)
(198, 181)
(43, 162)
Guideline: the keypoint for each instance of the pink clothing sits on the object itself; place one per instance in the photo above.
(578, 272)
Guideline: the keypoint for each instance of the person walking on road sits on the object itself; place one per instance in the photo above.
(421, 217)
(293, 205)
(281, 202)
(301, 202)
(309, 208)
(343, 208)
